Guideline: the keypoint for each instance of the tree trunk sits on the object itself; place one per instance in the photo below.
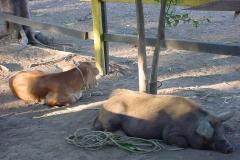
(160, 36)
(142, 62)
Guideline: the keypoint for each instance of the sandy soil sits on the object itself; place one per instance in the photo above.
(33, 131)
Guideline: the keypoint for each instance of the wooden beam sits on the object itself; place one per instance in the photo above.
(122, 38)
(179, 2)
(98, 38)
(105, 30)
(44, 26)
(142, 60)
(220, 5)
(224, 49)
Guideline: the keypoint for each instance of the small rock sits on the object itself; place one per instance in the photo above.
(32, 65)
(97, 93)
(3, 68)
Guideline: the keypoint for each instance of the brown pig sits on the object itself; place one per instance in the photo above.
(54, 89)
(177, 120)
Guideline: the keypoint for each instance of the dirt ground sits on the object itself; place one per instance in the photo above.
(34, 131)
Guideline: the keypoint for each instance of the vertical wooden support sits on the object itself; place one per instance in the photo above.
(160, 36)
(98, 30)
(142, 62)
(105, 30)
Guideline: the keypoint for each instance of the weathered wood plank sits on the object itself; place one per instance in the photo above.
(105, 30)
(142, 60)
(131, 39)
(44, 26)
(179, 2)
(122, 38)
(222, 49)
(220, 5)
(214, 48)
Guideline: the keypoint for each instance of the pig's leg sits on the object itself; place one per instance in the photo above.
(222, 146)
(176, 140)
(97, 125)
(172, 136)
(56, 99)
(112, 123)
(107, 121)
(50, 99)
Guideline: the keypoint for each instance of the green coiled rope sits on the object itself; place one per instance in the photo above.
(94, 140)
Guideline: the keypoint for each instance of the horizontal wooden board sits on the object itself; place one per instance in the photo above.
(179, 2)
(224, 49)
(131, 39)
(44, 26)
(221, 5)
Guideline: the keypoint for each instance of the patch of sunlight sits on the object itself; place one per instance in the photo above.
(202, 72)
(218, 57)
(12, 104)
(224, 86)
(95, 105)
(28, 112)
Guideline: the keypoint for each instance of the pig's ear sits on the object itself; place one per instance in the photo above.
(205, 129)
(225, 116)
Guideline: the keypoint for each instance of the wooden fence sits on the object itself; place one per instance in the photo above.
(101, 36)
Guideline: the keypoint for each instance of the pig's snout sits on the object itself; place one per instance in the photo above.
(223, 146)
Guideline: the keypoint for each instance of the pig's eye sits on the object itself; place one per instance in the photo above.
(216, 123)
(205, 142)
(208, 141)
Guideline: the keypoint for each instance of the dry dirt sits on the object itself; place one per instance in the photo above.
(33, 131)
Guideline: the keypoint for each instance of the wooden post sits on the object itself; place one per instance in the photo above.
(98, 31)
(160, 36)
(105, 31)
(142, 62)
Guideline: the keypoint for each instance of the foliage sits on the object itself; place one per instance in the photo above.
(173, 19)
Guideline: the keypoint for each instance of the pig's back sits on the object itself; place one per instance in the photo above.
(142, 105)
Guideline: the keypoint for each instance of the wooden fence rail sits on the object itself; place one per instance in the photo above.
(214, 48)
(208, 47)
(45, 26)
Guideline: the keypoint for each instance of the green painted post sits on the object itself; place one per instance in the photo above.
(98, 31)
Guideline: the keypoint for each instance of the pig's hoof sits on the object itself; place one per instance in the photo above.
(228, 150)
